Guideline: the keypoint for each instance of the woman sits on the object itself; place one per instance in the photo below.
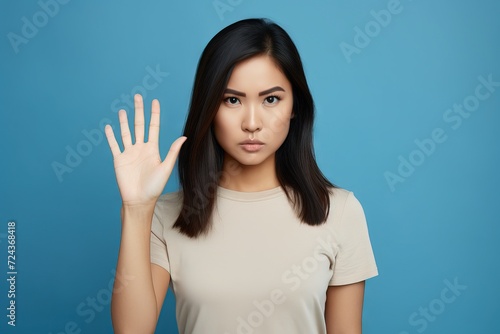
(258, 240)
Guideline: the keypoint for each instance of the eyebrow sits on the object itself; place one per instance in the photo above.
(265, 92)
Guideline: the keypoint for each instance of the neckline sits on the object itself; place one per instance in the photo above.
(252, 196)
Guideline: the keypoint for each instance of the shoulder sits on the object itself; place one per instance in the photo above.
(170, 199)
(167, 208)
(344, 205)
(341, 198)
(339, 194)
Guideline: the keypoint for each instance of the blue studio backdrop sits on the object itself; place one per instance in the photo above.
(407, 96)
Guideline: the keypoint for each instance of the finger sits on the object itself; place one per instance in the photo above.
(113, 144)
(139, 119)
(125, 131)
(173, 153)
(154, 124)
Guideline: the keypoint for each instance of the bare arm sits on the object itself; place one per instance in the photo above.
(161, 279)
(141, 177)
(344, 308)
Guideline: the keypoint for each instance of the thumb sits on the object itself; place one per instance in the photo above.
(173, 153)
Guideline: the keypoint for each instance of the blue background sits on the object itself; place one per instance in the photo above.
(438, 227)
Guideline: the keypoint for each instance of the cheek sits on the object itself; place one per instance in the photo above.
(279, 123)
(218, 130)
(222, 127)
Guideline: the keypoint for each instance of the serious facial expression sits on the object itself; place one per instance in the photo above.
(254, 115)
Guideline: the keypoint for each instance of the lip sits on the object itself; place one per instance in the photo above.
(251, 145)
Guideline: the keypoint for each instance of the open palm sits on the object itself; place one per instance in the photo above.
(140, 172)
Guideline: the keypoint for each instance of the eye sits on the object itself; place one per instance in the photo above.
(273, 99)
(232, 100)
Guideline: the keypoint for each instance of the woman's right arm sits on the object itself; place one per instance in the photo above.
(141, 176)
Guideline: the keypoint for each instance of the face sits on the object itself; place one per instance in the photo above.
(254, 115)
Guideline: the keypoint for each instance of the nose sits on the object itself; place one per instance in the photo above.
(251, 121)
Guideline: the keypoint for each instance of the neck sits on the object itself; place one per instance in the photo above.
(248, 178)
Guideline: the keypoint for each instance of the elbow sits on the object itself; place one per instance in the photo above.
(125, 324)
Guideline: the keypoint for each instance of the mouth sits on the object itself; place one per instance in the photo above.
(251, 145)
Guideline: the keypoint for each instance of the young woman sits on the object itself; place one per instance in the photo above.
(257, 240)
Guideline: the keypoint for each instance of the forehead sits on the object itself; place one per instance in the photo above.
(256, 74)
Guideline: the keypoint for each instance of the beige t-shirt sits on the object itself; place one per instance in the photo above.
(260, 270)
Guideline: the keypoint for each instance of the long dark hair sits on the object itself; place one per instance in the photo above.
(201, 157)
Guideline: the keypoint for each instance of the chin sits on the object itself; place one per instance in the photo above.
(249, 162)
(250, 159)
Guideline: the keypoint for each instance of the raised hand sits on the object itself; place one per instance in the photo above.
(140, 172)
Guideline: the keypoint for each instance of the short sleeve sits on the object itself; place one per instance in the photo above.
(354, 261)
(159, 254)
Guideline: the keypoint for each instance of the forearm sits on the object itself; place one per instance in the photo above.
(133, 305)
